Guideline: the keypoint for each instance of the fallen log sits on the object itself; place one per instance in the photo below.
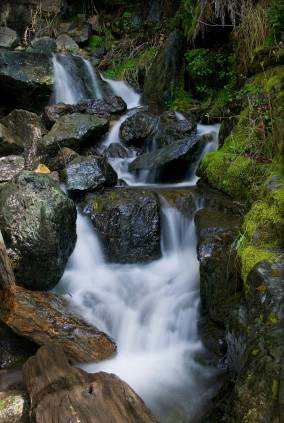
(61, 393)
(44, 318)
(7, 283)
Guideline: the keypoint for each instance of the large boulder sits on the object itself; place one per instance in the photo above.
(171, 163)
(45, 45)
(66, 44)
(219, 276)
(128, 223)
(8, 37)
(255, 348)
(26, 79)
(62, 393)
(22, 133)
(138, 127)
(172, 127)
(164, 74)
(38, 222)
(10, 166)
(74, 131)
(88, 174)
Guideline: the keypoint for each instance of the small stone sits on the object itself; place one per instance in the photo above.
(8, 37)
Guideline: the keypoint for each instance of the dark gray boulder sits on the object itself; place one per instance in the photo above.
(171, 162)
(173, 127)
(66, 44)
(109, 104)
(164, 74)
(8, 37)
(117, 150)
(45, 45)
(38, 222)
(219, 275)
(73, 131)
(138, 127)
(21, 134)
(10, 166)
(88, 174)
(128, 223)
(26, 79)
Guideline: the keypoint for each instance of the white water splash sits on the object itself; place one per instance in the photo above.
(97, 92)
(67, 89)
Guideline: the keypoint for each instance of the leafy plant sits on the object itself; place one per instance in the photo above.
(96, 41)
(275, 15)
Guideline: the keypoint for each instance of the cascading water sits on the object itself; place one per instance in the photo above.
(95, 86)
(150, 310)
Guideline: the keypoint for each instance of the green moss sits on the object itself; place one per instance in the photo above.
(181, 101)
(275, 389)
(250, 415)
(250, 256)
(272, 319)
(2, 405)
(96, 41)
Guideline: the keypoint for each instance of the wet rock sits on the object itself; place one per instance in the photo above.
(66, 44)
(38, 224)
(25, 131)
(164, 74)
(109, 104)
(14, 350)
(14, 406)
(8, 37)
(62, 159)
(74, 131)
(117, 150)
(171, 162)
(128, 223)
(26, 79)
(138, 127)
(53, 112)
(88, 174)
(10, 166)
(184, 200)
(219, 273)
(55, 388)
(45, 45)
(255, 348)
(44, 318)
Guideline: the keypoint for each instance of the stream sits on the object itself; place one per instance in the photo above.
(151, 310)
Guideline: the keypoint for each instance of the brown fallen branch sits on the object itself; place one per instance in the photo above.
(61, 393)
(44, 318)
(7, 283)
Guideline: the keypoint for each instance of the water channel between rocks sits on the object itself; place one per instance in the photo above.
(151, 310)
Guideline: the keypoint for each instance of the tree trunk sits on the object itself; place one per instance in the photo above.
(7, 283)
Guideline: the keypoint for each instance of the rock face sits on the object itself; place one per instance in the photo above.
(44, 45)
(255, 348)
(66, 44)
(128, 223)
(10, 166)
(44, 318)
(61, 393)
(26, 79)
(172, 127)
(164, 73)
(14, 406)
(138, 127)
(8, 37)
(89, 173)
(14, 350)
(38, 224)
(73, 131)
(172, 161)
(21, 133)
(219, 277)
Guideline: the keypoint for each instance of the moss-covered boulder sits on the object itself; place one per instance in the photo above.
(26, 79)
(38, 222)
(74, 131)
(255, 348)
(128, 222)
(88, 174)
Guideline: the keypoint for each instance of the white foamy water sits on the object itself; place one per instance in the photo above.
(125, 91)
(151, 312)
(96, 89)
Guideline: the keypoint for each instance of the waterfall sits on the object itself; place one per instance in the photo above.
(123, 90)
(150, 310)
(97, 92)
(67, 87)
